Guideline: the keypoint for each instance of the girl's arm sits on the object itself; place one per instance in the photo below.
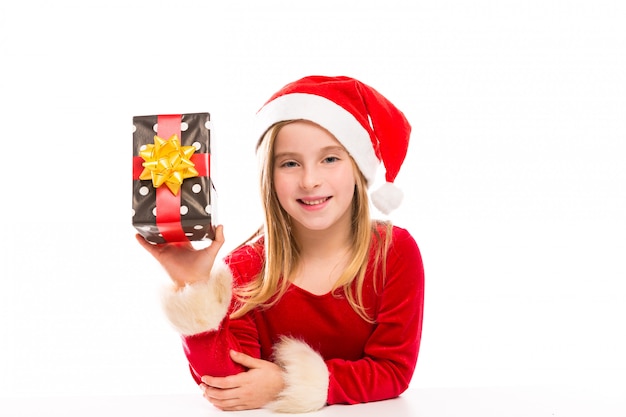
(200, 313)
(219, 349)
(198, 302)
(391, 352)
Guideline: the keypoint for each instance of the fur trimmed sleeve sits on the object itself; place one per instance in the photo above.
(306, 378)
(200, 307)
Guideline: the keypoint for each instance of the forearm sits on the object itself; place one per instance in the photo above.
(366, 380)
(199, 312)
(209, 353)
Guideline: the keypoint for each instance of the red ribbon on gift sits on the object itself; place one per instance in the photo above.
(168, 204)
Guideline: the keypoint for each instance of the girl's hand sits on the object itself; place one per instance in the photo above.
(256, 387)
(184, 263)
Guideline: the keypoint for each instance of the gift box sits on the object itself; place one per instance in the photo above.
(173, 195)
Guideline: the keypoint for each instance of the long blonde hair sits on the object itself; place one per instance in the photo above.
(282, 252)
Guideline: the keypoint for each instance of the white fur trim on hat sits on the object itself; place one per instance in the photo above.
(200, 307)
(331, 116)
(306, 378)
(387, 197)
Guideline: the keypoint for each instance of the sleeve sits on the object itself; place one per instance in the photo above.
(200, 313)
(390, 353)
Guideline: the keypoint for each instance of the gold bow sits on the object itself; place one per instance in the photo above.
(167, 162)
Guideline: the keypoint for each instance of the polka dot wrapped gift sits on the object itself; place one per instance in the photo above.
(173, 195)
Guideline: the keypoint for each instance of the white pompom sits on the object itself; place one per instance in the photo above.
(387, 198)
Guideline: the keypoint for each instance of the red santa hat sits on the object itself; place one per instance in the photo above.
(368, 125)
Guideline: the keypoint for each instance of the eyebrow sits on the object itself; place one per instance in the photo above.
(326, 149)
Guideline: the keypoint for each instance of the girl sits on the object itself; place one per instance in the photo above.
(322, 305)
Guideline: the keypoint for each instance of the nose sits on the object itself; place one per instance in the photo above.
(310, 178)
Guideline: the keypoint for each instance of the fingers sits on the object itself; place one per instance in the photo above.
(146, 245)
(229, 399)
(223, 401)
(154, 249)
(254, 388)
(223, 383)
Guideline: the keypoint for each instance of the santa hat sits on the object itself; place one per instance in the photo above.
(368, 125)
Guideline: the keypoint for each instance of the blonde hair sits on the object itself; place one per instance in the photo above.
(282, 252)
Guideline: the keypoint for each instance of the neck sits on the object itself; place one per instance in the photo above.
(324, 243)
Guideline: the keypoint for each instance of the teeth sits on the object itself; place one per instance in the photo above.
(314, 202)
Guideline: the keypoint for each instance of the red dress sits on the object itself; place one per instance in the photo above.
(365, 361)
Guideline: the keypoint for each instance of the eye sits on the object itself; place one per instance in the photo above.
(289, 164)
(331, 159)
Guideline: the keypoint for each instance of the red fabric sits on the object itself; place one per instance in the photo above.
(367, 362)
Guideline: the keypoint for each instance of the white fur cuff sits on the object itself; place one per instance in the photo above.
(306, 378)
(201, 306)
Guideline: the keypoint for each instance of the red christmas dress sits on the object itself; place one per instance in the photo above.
(330, 355)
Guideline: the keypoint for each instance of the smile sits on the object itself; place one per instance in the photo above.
(314, 202)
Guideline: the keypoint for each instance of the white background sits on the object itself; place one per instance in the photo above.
(515, 181)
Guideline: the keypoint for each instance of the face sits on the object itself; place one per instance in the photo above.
(314, 177)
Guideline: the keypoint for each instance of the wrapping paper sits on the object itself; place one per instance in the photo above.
(160, 214)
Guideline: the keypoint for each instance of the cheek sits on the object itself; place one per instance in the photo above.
(346, 193)
(281, 187)
(350, 182)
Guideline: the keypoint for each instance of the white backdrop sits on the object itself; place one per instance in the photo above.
(515, 180)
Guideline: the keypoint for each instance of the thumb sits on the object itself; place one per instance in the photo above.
(217, 242)
(245, 360)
